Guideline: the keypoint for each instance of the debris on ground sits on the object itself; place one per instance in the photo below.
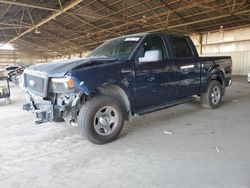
(235, 101)
(167, 132)
(217, 149)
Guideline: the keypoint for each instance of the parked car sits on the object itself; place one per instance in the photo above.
(14, 72)
(14, 76)
(248, 77)
(9, 69)
(126, 76)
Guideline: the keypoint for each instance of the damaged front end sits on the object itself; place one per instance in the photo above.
(51, 99)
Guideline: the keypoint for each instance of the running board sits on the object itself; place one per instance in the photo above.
(161, 107)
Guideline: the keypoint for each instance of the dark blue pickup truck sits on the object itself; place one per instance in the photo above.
(126, 76)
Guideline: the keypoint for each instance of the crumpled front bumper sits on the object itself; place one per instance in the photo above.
(44, 111)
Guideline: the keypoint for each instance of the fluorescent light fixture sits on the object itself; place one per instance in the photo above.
(6, 46)
(37, 31)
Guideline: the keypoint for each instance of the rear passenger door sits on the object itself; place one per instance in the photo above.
(188, 66)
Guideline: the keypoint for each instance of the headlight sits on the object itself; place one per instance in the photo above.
(62, 85)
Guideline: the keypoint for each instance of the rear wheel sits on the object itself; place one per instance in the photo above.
(101, 119)
(212, 98)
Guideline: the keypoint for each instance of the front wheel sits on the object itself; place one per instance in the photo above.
(7, 100)
(101, 119)
(212, 98)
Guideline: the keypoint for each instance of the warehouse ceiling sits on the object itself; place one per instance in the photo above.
(59, 27)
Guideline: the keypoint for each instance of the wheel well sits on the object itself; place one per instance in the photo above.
(118, 93)
(219, 76)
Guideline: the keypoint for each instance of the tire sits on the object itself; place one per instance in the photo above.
(213, 96)
(7, 100)
(101, 119)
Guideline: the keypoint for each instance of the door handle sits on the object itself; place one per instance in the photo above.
(187, 67)
(187, 83)
(151, 79)
(127, 70)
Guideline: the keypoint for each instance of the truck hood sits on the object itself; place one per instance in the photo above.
(61, 68)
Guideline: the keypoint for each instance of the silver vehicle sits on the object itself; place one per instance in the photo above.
(9, 69)
(13, 73)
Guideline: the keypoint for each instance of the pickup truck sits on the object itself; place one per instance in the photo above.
(125, 76)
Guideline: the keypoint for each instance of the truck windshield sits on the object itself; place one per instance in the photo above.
(119, 48)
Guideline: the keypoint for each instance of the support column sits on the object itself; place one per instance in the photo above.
(200, 44)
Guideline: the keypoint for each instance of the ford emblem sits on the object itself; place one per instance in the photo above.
(32, 83)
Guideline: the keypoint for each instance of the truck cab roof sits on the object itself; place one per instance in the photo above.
(148, 34)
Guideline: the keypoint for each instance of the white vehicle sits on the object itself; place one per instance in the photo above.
(13, 73)
(9, 69)
(248, 77)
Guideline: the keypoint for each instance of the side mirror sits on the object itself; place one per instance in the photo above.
(151, 55)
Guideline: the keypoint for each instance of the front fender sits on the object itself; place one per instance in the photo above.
(81, 87)
(87, 79)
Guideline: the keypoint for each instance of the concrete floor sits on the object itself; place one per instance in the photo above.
(207, 148)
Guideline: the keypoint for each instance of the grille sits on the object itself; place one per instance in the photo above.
(36, 84)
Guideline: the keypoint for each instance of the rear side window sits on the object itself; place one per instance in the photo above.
(181, 47)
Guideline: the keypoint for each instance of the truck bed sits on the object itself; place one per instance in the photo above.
(222, 63)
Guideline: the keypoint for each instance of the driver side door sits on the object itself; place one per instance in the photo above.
(153, 79)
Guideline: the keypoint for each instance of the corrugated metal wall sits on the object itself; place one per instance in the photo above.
(70, 56)
(7, 58)
(241, 61)
(234, 43)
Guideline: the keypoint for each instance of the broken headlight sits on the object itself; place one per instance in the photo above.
(62, 85)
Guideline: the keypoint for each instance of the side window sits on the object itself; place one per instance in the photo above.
(181, 48)
(153, 43)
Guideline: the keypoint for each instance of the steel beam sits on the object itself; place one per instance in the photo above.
(8, 28)
(221, 10)
(147, 29)
(178, 25)
(53, 16)
(27, 5)
(10, 24)
(139, 21)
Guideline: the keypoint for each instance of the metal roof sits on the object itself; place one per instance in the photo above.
(62, 27)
